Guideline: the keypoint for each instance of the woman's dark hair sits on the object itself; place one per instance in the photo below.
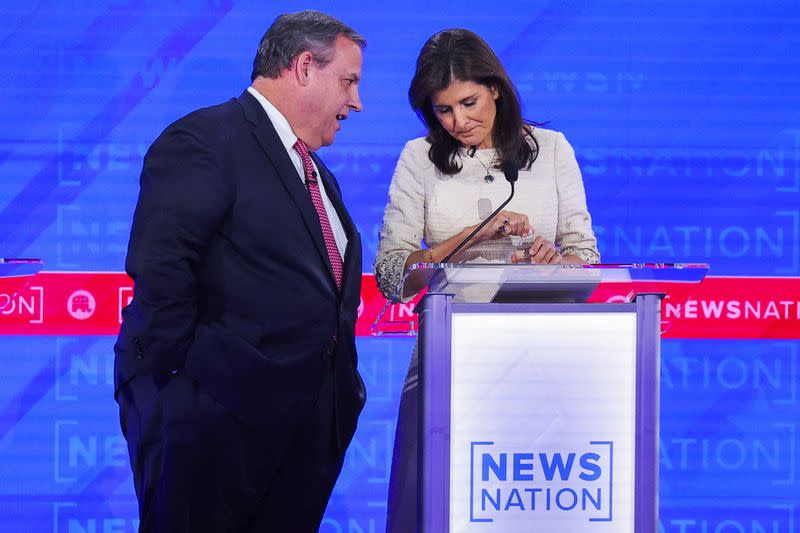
(461, 55)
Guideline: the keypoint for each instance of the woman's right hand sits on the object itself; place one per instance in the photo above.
(504, 224)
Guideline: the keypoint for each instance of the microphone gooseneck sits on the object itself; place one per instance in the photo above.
(511, 172)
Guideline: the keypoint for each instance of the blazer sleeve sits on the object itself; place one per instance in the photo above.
(403, 224)
(574, 229)
(184, 196)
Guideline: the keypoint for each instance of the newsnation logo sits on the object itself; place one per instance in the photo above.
(505, 484)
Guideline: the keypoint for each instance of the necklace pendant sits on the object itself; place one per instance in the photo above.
(488, 178)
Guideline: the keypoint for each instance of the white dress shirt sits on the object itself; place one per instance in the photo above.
(288, 138)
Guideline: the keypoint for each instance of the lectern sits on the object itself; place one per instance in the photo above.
(538, 410)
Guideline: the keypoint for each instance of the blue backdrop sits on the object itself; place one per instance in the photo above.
(685, 118)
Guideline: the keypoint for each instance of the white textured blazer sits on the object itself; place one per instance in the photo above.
(426, 204)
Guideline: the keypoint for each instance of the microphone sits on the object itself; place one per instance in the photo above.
(511, 172)
(472, 150)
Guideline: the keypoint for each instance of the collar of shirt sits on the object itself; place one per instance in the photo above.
(288, 138)
(286, 135)
(282, 126)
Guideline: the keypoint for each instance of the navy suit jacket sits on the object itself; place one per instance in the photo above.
(233, 285)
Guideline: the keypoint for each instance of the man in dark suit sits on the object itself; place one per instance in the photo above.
(235, 366)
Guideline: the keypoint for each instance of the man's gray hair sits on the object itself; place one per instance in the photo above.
(293, 33)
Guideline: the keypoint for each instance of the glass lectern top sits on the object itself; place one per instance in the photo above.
(19, 267)
(526, 283)
(522, 283)
(14, 275)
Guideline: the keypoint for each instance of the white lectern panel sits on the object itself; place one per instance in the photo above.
(542, 425)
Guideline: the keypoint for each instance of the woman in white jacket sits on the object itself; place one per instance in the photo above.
(447, 182)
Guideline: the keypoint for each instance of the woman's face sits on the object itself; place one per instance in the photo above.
(467, 111)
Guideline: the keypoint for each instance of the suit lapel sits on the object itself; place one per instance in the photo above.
(270, 142)
(333, 195)
(352, 256)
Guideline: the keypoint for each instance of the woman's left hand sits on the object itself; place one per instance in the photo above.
(541, 251)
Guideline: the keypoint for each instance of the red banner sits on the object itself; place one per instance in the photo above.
(738, 308)
(89, 303)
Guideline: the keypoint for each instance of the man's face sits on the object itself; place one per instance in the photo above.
(334, 93)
